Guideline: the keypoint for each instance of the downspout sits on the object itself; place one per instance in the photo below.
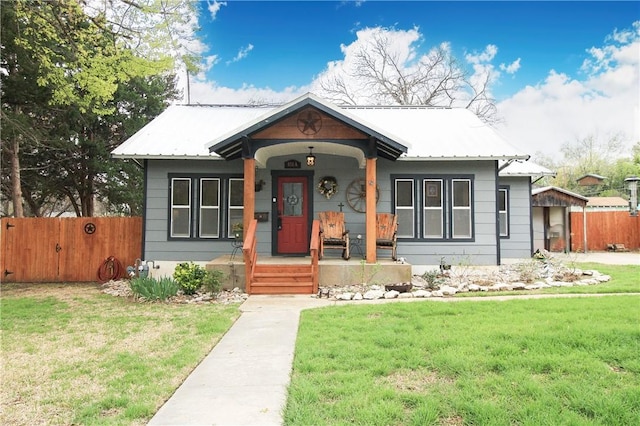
(505, 165)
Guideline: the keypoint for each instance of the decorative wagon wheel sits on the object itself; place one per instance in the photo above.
(357, 195)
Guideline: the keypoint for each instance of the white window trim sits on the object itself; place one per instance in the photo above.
(440, 209)
(504, 212)
(412, 208)
(212, 207)
(180, 207)
(231, 207)
(454, 208)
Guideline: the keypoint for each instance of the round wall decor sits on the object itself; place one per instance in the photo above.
(89, 228)
(328, 186)
(357, 195)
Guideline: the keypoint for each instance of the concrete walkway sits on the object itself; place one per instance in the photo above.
(244, 379)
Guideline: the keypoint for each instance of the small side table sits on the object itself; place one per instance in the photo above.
(237, 244)
(356, 244)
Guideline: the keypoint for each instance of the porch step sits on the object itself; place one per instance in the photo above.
(282, 279)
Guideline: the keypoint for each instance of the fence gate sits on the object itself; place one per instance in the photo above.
(65, 249)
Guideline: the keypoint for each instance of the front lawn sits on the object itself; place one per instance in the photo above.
(548, 361)
(72, 355)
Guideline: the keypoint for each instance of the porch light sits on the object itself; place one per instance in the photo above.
(311, 159)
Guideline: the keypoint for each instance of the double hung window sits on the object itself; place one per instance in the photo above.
(434, 207)
(204, 207)
(503, 211)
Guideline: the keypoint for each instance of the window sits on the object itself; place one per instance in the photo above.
(446, 207)
(236, 204)
(197, 206)
(209, 208)
(180, 207)
(404, 197)
(433, 209)
(461, 190)
(503, 211)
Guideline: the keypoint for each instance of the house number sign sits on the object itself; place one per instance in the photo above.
(292, 164)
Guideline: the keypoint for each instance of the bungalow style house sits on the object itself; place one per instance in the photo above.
(459, 191)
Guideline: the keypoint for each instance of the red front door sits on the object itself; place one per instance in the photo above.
(293, 215)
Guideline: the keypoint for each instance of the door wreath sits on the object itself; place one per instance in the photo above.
(328, 186)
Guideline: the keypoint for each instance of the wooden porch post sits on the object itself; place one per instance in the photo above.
(370, 212)
(249, 192)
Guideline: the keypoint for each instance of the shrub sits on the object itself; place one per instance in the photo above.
(151, 289)
(189, 276)
(213, 281)
(433, 278)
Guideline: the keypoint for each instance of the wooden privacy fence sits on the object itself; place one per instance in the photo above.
(66, 249)
(603, 228)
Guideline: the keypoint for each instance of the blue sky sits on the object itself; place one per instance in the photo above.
(292, 41)
(562, 71)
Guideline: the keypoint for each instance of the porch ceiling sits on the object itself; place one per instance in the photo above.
(302, 147)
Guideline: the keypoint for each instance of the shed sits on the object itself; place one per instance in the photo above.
(551, 223)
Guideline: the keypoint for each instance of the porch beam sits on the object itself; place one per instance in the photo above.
(249, 192)
(370, 212)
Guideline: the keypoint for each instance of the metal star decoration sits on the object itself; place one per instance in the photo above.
(309, 123)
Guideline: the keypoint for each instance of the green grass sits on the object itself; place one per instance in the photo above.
(82, 357)
(543, 362)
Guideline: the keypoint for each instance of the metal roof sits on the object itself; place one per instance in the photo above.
(187, 131)
(537, 191)
(607, 202)
(523, 168)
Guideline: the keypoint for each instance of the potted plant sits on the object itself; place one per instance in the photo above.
(238, 230)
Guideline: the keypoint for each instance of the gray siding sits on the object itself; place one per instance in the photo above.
(156, 243)
(518, 244)
(481, 251)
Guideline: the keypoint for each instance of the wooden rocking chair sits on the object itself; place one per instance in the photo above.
(333, 234)
(386, 231)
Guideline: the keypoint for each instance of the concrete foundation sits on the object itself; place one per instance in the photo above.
(332, 271)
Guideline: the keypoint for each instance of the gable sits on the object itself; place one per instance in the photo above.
(293, 118)
(309, 123)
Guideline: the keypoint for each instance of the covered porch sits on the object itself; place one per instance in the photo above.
(303, 274)
(282, 216)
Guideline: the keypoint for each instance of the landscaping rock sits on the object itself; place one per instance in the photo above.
(373, 295)
(345, 296)
(391, 294)
(421, 293)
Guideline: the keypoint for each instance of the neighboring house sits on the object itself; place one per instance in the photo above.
(590, 180)
(607, 204)
(459, 190)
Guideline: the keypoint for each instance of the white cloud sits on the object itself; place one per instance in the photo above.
(563, 110)
(486, 55)
(242, 53)
(214, 7)
(541, 117)
(207, 92)
(512, 68)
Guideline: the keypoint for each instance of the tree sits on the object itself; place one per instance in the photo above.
(594, 154)
(22, 102)
(62, 113)
(380, 75)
